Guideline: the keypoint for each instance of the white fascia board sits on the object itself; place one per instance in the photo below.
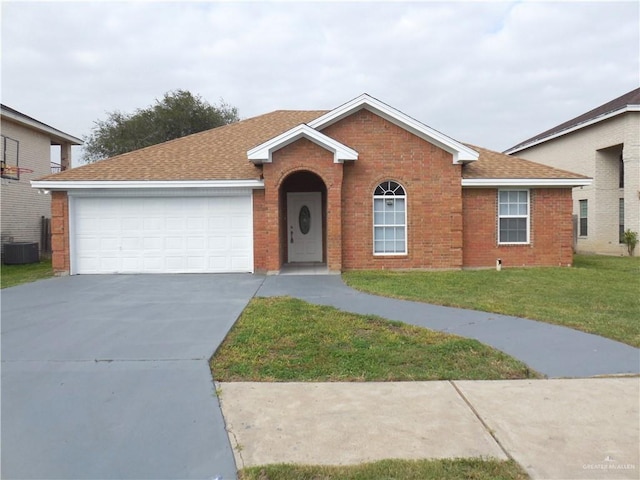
(601, 118)
(53, 133)
(84, 185)
(461, 153)
(263, 153)
(526, 182)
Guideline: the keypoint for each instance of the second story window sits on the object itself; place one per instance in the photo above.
(621, 173)
(9, 161)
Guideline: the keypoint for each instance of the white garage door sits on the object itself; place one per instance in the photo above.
(162, 234)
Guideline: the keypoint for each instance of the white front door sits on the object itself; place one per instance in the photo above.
(304, 227)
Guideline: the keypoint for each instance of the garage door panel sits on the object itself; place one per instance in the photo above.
(155, 235)
(239, 263)
(131, 264)
(175, 224)
(131, 243)
(219, 264)
(174, 243)
(153, 243)
(219, 243)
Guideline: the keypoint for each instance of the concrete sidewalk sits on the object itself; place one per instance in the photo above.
(555, 429)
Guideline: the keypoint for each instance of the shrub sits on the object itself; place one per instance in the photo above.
(630, 239)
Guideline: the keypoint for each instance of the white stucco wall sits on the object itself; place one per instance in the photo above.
(594, 151)
(22, 206)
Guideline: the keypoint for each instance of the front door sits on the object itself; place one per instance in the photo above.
(304, 227)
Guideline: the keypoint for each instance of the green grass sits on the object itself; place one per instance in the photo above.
(285, 339)
(447, 469)
(599, 295)
(12, 275)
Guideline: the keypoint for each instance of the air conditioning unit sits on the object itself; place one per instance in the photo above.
(19, 253)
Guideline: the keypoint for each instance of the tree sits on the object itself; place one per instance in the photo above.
(179, 113)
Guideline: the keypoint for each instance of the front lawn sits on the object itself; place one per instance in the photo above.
(446, 469)
(599, 294)
(289, 340)
(12, 275)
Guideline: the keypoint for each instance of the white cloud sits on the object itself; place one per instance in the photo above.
(487, 73)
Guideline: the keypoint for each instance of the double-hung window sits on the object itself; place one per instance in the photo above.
(621, 220)
(584, 214)
(513, 216)
(389, 219)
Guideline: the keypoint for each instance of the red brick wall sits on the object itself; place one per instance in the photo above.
(60, 232)
(551, 234)
(259, 233)
(301, 155)
(432, 185)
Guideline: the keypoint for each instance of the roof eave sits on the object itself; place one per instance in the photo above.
(460, 152)
(526, 182)
(55, 185)
(579, 126)
(263, 153)
(56, 136)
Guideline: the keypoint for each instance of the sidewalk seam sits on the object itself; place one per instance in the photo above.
(484, 424)
(236, 448)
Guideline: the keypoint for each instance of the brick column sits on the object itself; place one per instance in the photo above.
(60, 255)
(334, 220)
(65, 156)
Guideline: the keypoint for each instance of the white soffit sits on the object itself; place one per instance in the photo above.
(83, 185)
(54, 134)
(263, 153)
(526, 182)
(461, 153)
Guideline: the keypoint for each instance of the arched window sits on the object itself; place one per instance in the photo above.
(389, 219)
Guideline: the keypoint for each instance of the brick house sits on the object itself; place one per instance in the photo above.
(26, 155)
(603, 143)
(362, 186)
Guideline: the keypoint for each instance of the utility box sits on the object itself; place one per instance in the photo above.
(19, 253)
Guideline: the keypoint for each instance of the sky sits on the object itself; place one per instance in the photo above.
(487, 73)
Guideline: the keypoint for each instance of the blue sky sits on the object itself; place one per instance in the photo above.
(487, 73)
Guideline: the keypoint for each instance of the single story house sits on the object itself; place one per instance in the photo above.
(362, 186)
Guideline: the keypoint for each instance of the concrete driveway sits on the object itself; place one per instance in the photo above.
(107, 376)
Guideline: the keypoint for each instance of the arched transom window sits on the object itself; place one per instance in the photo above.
(389, 219)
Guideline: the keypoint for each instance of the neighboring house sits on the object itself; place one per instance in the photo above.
(26, 155)
(362, 186)
(604, 144)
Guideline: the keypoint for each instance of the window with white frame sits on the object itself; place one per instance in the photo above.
(583, 218)
(389, 219)
(621, 220)
(513, 216)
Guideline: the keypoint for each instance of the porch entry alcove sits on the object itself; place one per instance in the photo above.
(303, 221)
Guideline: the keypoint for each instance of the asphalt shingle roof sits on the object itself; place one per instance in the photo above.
(216, 154)
(221, 154)
(630, 98)
(499, 165)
